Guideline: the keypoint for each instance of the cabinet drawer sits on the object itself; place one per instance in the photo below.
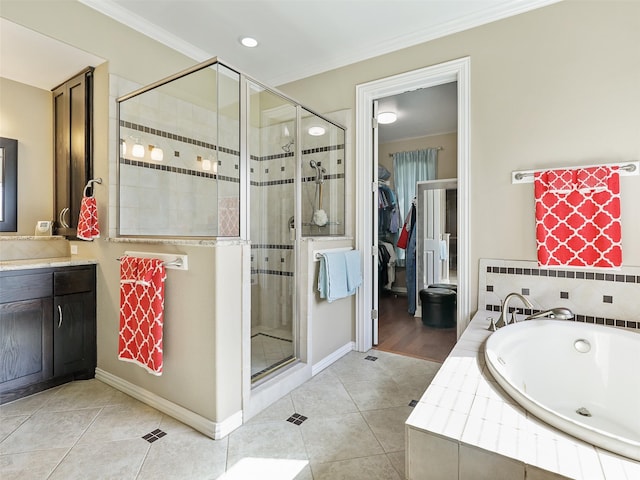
(15, 288)
(73, 281)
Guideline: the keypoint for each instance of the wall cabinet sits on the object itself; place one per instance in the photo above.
(47, 328)
(73, 137)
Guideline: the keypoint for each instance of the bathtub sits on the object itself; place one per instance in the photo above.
(581, 378)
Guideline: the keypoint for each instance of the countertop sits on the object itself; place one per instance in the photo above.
(27, 264)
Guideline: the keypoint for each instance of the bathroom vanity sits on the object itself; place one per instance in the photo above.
(47, 326)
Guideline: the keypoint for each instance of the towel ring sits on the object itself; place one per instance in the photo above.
(94, 180)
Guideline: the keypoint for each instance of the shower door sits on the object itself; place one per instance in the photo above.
(272, 210)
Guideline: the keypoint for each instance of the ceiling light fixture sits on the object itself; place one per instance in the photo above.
(387, 117)
(316, 131)
(249, 42)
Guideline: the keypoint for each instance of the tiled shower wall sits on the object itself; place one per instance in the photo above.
(608, 298)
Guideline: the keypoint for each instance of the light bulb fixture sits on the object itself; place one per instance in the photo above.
(316, 131)
(387, 117)
(249, 42)
(156, 153)
(123, 147)
(208, 164)
(137, 150)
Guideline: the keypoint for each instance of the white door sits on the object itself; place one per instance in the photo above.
(374, 223)
(432, 219)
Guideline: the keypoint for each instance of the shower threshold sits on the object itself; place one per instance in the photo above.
(262, 374)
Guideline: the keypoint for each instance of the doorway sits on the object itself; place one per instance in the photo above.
(417, 150)
(367, 321)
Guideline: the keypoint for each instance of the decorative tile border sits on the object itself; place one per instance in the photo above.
(594, 297)
(180, 170)
(178, 138)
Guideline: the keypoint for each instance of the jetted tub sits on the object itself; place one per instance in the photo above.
(581, 378)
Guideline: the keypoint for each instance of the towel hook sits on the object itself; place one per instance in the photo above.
(93, 180)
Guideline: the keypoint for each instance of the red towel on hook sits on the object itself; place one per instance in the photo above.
(142, 312)
(88, 227)
(578, 218)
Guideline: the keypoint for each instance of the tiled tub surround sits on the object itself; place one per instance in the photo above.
(466, 427)
(608, 298)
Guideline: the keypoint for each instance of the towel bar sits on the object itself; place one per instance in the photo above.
(170, 260)
(318, 253)
(625, 169)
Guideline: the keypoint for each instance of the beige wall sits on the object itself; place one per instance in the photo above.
(447, 157)
(26, 114)
(553, 87)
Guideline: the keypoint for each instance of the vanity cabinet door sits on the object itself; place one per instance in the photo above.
(74, 321)
(74, 334)
(25, 343)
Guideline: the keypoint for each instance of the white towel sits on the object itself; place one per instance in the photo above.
(354, 272)
(340, 274)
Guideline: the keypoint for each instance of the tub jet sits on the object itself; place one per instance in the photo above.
(583, 411)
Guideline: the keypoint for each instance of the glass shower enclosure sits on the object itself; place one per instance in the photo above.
(210, 153)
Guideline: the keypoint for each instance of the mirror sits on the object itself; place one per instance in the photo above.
(8, 185)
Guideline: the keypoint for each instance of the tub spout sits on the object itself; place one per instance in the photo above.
(559, 313)
(504, 320)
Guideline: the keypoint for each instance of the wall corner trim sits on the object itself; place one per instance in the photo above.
(215, 430)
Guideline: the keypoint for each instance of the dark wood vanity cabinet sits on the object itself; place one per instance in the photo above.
(74, 329)
(47, 328)
(73, 137)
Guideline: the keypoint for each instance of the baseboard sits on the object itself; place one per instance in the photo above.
(331, 358)
(215, 430)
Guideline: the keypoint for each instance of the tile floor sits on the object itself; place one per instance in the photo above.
(345, 423)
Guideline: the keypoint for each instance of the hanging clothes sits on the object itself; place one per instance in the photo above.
(409, 223)
(388, 213)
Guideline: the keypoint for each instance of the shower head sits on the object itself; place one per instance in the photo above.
(286, 148)
(312, 164)
(559, 313)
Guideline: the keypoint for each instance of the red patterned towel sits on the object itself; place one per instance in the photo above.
(578, 224)
(88, 227)
(141, 312)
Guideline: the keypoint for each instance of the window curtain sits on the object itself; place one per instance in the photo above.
(409, 168)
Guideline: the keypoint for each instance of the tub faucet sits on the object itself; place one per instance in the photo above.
(504, 320)
(560, 313)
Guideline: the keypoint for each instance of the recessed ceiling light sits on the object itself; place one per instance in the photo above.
(387, 117)
(249, 42)
(316, 131)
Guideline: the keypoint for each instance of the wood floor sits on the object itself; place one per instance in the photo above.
(399, 332)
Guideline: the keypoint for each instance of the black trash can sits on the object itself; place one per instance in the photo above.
(438, 307)
(449, 286)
